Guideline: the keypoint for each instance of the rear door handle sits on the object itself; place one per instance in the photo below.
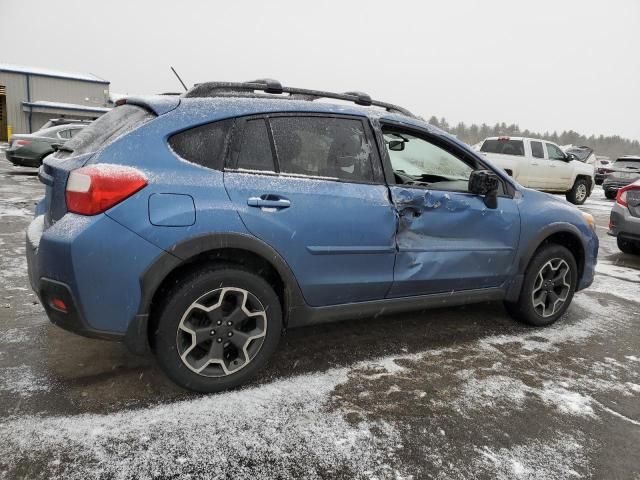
(268, 201)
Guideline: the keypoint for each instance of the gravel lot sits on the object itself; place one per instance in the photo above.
(457, 393)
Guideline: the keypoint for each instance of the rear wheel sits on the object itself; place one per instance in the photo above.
(628, 246)
(549, 284)
(217, 328)
(579, 192)
(610, 194)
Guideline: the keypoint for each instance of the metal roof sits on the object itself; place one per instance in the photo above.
(65, 106)
(45, 72)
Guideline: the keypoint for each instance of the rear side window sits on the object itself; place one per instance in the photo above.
(536, 149)
(255, 148)
(335, 148)
(203, 145)
(108, 127)
(504, 146)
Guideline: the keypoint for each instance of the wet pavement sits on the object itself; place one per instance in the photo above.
(456, 393)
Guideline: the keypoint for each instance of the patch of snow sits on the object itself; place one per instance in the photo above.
(22, 381)
(280, 430)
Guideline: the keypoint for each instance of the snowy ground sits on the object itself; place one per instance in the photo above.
(457, 393)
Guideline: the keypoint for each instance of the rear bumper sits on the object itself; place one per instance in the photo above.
(94, 266)
(623, 224)
(21, 161)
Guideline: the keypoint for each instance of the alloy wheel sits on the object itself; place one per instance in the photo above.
(581, 192)
(552, 287)
(221, 332)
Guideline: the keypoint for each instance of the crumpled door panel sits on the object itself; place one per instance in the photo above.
(450, 241)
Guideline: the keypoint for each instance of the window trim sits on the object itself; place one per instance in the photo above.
(440, 141)
(238, 133)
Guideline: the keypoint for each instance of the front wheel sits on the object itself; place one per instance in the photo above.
(217, 328)
(579, 192)
(549, 284)
(610, 194)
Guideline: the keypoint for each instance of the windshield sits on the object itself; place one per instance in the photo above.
(107, 128)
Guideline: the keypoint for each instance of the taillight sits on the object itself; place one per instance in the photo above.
(621, 196)
(96, 188)
(22, 143)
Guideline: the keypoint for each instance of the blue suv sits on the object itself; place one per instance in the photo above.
(201, 226)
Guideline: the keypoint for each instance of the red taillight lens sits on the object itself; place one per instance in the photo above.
(22, 143)
(96, 188)
(621, 196)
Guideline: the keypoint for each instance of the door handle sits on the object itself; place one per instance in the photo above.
(535, 163)
(268, 201)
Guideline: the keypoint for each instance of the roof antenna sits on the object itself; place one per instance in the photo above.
(176, 74)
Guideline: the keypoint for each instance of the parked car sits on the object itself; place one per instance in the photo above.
(624, 223)
(202, 226)
(56, 122)
(584, 154)
(541, 165)
(29, 149)
(602, 168)
(624, 171)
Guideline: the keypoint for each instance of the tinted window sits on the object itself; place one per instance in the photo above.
(627, 162)
(554, 152)
(536, 149)
(503, 146)
(255, 148)
(203, 145)
(325, 147)
(416, 161)
(108, 127)
(65, 133)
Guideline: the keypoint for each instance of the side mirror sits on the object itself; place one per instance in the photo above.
(396, 145)
(56, 146)
(571, 156)
(485, 182)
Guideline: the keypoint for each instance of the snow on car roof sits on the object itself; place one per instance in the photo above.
(45, 72)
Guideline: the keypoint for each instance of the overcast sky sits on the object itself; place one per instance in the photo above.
(546, 65)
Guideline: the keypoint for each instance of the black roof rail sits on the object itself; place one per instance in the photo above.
(271, 86)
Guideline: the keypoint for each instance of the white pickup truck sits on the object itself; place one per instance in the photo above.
(541, 165)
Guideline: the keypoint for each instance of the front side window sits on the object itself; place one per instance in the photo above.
(64, 134)
(416, 161)
(536, 149)
(335, 148)
(554, 152)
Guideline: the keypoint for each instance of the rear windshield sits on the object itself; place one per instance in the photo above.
(505, 147)
(627, 162)
(107, 128)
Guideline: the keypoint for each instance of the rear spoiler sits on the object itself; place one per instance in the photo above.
(156, 104)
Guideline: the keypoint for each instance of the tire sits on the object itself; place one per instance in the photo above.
(628, 246)
(195, 320)
(610, 194)
(526, 309)
(579, 192)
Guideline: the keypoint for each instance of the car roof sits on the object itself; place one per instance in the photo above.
(218, 108)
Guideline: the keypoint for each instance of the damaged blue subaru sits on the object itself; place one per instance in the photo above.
(200, 226)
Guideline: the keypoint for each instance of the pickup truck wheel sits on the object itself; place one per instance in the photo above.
(549, 284)
(217, 328)
(579, 192)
